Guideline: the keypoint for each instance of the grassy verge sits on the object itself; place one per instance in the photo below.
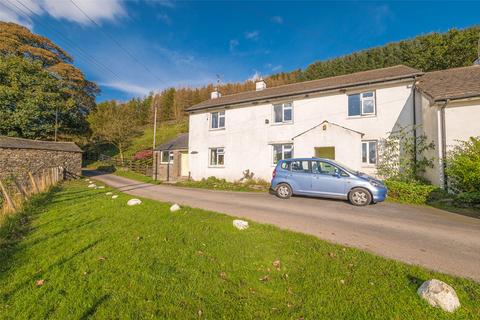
(134, 176)
(221, 184)
(97, 257)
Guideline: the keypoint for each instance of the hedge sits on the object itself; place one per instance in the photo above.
(410, 192)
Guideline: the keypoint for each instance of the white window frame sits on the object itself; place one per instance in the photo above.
(283, 151)
(170, 157)
(362, 101)
(221, 114)
(367, 142)
(285, 106)
(216, 165)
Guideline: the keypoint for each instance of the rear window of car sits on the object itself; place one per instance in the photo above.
(285, 165)
(300, 166)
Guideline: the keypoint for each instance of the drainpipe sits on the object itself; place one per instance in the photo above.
(414, 88)
(444, 144)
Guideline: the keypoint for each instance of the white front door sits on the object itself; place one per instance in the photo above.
(184, 169)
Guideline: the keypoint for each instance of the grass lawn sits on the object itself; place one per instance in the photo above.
(134, 176)
(99, 258)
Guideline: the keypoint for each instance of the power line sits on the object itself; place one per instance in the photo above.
(69, 43)
(116, 42)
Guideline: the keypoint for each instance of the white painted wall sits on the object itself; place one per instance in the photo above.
(462, 121)
(247, 138)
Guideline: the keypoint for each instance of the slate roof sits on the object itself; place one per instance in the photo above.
(456, 83)
(19, 143)
(178, 143)
(344, 81)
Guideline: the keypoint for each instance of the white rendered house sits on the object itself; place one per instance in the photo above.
(341, 118)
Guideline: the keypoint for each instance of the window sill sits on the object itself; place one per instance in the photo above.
(216, 129)
(216, 167)
(166, 162)
(281, 123)
(362, 117)
(369, 165)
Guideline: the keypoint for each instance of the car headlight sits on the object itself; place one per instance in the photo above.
(375, 183)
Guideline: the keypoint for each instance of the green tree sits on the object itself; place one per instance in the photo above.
(48, 69)
(29, 99)
(114, 123)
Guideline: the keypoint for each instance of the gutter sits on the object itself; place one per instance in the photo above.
(414, 88)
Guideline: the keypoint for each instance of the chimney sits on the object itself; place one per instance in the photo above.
(215, 94)
(260, 84)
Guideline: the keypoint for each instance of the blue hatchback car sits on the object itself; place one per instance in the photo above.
(325, 178)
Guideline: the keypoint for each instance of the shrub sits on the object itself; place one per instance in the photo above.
(463, 166)
(410, 192)
(468, 199)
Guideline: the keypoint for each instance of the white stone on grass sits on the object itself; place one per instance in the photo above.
(134, 202)
(101, 187)
(240, 224)
(109, 193)
(175, 207)
(439, 294)
(92, 185)
(115, 196)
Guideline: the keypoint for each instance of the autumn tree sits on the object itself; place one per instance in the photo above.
(115, 123)
(44, 72)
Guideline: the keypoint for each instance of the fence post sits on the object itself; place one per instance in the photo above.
(20, 188)
(34, 183)
(7, 196)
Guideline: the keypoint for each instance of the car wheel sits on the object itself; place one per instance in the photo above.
(283, 191)
(359, 197)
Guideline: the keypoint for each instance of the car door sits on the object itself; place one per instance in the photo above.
(300, 176)
(327, 179)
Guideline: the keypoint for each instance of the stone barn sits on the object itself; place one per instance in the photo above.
(20, 156)
(170, 160)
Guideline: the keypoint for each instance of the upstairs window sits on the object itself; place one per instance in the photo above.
(282, 151)
(369, 152)
(217, 157)
(361, 104)
(283, 113)
(217, 120)
(167, 157)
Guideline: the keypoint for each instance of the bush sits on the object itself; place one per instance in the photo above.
(410, 192)
(463, 167)
(468, 199)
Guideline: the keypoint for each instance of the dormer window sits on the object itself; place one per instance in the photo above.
(283, 113)
(361, 104)
(217, 120)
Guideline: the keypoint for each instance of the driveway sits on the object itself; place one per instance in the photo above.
(429, 237)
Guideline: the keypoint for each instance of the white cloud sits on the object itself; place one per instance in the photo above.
(165, 18)
(20, 11)
(233, 44)
(252, 35)
(255, 76)
(95, 9)
(127, 87)
(277, 19)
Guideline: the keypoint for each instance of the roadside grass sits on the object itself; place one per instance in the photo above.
(251, 185)
(134, 176)
(102, 259)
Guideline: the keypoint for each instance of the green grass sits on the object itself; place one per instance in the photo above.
(134, 176)
(101, 259)
(221, 184)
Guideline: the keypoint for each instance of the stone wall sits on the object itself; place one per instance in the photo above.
(20, 161)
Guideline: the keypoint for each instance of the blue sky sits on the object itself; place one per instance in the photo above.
(189, 43)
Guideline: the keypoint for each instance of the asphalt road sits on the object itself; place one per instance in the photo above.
(429, 237)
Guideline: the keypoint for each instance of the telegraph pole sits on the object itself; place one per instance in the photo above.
(155, 158)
